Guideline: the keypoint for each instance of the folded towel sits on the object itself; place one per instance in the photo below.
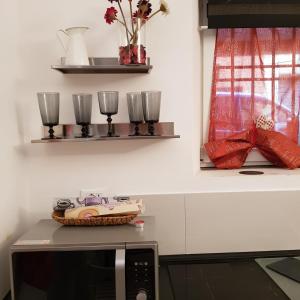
(113, 208)
(61, 204)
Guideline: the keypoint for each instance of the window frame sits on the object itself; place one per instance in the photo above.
(208, 39)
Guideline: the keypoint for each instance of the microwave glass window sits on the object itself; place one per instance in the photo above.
(63, 275)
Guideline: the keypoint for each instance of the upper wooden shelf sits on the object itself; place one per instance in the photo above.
(103, 65)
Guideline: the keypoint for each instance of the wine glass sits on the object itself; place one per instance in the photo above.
(135, 111)
(108, 104)
(151, 109)
(49, 109)
(83, 112)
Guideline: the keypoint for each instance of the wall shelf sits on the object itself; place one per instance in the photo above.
(101, 139)
(103, 65)
(68, 133)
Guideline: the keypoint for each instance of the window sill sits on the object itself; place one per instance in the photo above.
(268, 171)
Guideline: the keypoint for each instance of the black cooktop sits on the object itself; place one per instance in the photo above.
(226, 279)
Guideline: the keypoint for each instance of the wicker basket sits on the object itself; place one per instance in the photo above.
(94, 221)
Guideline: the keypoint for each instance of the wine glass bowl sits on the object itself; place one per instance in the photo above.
(108, 104)
(83, 112)
(151, 108)
(135, 111)
(49, 110)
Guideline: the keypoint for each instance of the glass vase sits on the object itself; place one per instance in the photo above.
(132, 49)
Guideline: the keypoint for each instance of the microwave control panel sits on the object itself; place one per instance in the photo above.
(140, 274)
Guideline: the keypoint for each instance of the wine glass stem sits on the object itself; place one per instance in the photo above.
(151, 128)
(85, 131)
(137, 128)
(51, 132)
(110, 129)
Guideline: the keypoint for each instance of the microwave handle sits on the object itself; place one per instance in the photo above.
(120, 274)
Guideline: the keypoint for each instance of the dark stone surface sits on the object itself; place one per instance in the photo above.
(237, 280)
(7, 297)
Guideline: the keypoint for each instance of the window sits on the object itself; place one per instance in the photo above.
(257, 71)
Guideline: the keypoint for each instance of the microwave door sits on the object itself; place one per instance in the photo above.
(89, 274)
(120, 275)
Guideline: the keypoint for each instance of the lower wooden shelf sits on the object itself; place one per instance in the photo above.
(68, 133)
(101, 139)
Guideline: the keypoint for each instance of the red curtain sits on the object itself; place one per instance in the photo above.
(256, 71)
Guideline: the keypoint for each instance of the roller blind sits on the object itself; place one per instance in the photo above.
(249, 13)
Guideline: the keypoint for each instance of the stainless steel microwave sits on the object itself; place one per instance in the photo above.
(54, 262)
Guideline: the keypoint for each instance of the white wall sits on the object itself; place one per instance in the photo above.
(139, 167)
(13, 203)
(124, 167)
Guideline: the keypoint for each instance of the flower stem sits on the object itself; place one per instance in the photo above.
(131, 16)
(143, 23)
(155, 13)
(125, 24)
(137, 28)
(121, 22)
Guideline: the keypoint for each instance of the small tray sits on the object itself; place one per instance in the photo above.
(94, 221)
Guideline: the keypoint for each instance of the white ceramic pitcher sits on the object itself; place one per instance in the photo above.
(75, 47)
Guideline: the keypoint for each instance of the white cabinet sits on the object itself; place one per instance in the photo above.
(247, 221)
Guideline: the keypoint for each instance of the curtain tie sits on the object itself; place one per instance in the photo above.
(232, 152)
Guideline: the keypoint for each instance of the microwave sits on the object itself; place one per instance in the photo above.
(55, 262)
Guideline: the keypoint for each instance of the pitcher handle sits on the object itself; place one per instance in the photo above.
(60, 39)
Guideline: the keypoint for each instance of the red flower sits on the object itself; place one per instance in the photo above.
(110, 15)
(135, 54)
(136, 16)
(144, 9)
(138, 54)
(125, 56)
